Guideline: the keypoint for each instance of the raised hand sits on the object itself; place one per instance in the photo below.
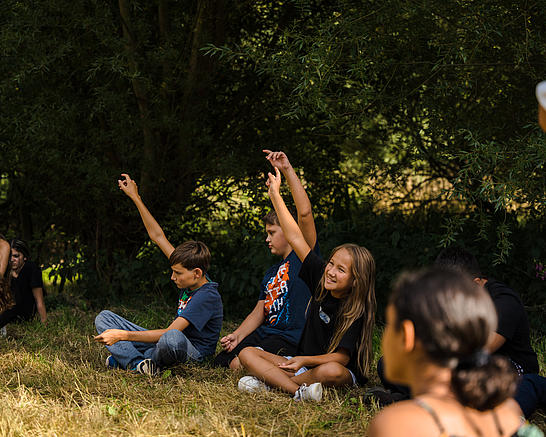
(273, 182)
(278, 159)
(128, 186)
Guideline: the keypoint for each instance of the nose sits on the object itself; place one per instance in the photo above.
(173, 278)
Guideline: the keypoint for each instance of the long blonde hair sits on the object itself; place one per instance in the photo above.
(359, 302)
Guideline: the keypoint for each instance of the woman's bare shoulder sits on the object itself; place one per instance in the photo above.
(403, 419)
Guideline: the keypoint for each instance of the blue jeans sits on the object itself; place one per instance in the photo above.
(531, 393)
(172, 347)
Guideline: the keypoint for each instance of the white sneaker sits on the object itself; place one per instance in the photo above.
(311, 392)
(146, 367)
(3, 332)
(251, 384)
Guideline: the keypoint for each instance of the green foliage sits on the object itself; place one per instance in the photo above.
(374, 102)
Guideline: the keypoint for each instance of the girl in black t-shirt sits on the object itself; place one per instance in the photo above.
(26, 285)
(336, 344)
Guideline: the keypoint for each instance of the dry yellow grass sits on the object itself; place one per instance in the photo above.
(54, 383)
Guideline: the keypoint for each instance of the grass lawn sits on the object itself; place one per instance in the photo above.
(54, 383)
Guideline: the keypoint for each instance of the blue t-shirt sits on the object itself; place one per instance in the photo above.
(203, 309)
(286, 297)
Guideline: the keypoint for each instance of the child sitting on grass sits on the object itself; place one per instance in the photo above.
(195, 330)
(277, 321)
(336, 345)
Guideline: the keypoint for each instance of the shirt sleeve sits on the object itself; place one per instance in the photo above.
(36, 277)
(199, 308)
(311, 271)
(509, 315)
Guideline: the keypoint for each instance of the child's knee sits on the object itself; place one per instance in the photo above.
(235, 364)
(101, 319)
(172, 338)
(246, 354)
(332, 373)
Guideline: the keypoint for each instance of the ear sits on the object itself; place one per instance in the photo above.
(197, 273)
(480, 281)
(408, 332)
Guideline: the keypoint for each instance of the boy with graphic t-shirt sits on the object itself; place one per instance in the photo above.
(276, 322)
(195, 330)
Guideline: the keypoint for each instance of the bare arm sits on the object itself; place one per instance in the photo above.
(250, 324)
(111, 336)
(340, 356)
(129, 187)
(303, 205)
(4, 257)
(38, 293)
(290, 228)
(495, 342)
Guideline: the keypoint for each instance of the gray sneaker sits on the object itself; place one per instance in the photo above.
(251, 384)
(311, 392)
(146, 367)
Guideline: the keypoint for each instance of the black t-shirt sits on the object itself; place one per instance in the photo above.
(29, 277)
(513, 325)
(322, 319)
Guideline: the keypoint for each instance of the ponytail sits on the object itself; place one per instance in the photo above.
(483, 381)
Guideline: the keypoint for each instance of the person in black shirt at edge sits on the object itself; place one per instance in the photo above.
(26, 286)
(510, 339)
(335, 348)
(438, 323)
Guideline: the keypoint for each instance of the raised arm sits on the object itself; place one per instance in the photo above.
(303, 205)
(129, 187)
(290, 228)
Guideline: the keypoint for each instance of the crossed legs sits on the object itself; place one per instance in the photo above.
(265, 366)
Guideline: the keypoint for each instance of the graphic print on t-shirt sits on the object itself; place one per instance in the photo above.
(183, 302)
(275, 304)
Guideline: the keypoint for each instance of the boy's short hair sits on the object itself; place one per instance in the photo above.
(271, 217)
(191, 255)
(459, 259)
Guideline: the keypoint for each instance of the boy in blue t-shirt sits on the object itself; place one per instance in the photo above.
(276, 322)
(193, 333)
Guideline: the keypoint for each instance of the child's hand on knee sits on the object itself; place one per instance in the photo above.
(110, 336)
(293, 364)
(229, 342)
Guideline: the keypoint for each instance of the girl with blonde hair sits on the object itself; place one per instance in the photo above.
(335, 348)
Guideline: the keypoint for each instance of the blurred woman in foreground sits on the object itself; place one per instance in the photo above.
(438, 323)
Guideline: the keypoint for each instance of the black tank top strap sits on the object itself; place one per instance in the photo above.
(497, 423)
(433, 414)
